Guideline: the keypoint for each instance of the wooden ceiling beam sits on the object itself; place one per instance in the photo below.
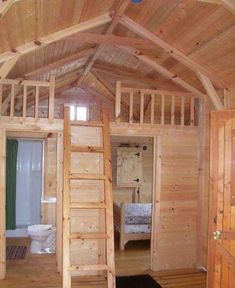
(120, 73)
(5, 6)
(229, 5)
(62, 62)
(6, 67)
(173, 52)
(166, 73)
(93, 38)
(208, 86)
(120, 11)
(56, 36)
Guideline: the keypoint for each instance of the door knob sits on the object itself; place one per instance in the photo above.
(216, 235)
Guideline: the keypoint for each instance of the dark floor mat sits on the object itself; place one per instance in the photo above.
(16, 252)
(138, 281)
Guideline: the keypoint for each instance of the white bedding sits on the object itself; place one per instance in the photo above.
(141, 228)
(138, 213)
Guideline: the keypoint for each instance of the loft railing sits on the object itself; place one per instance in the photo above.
(146, 106)
(20, 98)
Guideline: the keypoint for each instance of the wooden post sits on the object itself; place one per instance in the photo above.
(66, 201)
(2, 204)
(118, 102)
(157, 174)
(108, 201)
(192, 111)
(36, 102)
(162, 109)
(59, 202)
(152, 109)
(172, 110)
(51, 98)
(12, 107)
(131, 108)
(141, 107)
(25, 101)
(0, 100)
(182, 100)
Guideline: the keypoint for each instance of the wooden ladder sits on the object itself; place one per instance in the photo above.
(87, 177)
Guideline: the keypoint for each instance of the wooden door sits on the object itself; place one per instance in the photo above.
(129, 167)
(221, 248)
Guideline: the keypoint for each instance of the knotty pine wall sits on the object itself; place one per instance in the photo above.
(177, 231)
(184, 201)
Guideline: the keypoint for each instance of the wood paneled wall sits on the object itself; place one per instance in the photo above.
(177, 239)
(48, 209)
(125, 194)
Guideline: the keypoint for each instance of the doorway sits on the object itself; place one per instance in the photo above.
(133, 185)
(26, 203)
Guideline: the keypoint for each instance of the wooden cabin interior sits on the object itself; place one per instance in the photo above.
(117, 143)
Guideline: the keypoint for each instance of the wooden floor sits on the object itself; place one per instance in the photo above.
(39, 271)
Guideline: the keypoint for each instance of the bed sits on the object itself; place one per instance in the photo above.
(132, 221)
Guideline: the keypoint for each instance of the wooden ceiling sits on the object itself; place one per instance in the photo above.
(204, 32)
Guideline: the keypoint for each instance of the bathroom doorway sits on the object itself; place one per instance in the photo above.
(23, 204)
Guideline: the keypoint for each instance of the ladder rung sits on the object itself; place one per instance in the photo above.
(96, 267)
(82, 236)
(87, 123)
(87, 176)
(86, 205)
(90, 149)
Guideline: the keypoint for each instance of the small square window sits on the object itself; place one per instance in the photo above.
(82, 114)
(79, 113)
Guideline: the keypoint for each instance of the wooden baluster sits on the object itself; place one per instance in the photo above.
(131, 108)
(36, 102)
(12, 106)
(152, 109)
(51, 98)
(172, 110)
(141, 107)
(0, 100)
(182, 100)
(192, 112)
(162, 109)
(24, 101)
(118, 102)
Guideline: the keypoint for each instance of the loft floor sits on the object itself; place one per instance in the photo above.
(39, 271)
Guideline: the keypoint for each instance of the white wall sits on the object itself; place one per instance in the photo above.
(28, 182)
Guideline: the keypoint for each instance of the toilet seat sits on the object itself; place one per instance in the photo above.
(39, 227)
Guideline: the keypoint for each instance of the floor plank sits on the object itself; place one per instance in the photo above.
(39, 271)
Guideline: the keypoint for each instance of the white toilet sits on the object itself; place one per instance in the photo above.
(43, 238)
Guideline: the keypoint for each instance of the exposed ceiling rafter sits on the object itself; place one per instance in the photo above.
(173, 52)
(7, 66)
(62, 62)
(94, 38)
(118, 73)
(208, 86)
(120, 11)
(5, 6)
(166, 73)
(55, 36)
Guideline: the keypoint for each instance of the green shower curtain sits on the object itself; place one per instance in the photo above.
(11, 161)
